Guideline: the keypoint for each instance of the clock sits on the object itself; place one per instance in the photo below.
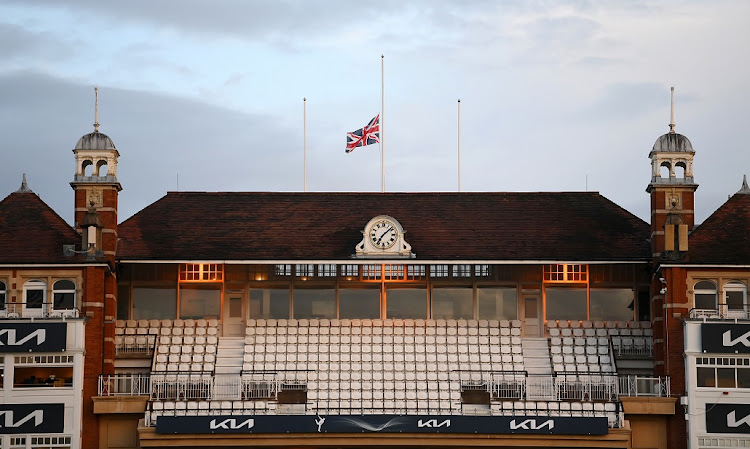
(383, 234)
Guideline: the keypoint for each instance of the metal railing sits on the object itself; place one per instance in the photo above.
(124, 385)
(36, 310)
(722, 313)
(645, 386)
(632, 347)
(586, 387)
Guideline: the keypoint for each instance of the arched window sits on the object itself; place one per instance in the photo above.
(64, 295)
(2, 295)
(34, 297)
(705, 295)
(735, 298)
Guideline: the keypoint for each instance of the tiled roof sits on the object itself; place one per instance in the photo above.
(439, 226)
(724, 238)
(32, 233)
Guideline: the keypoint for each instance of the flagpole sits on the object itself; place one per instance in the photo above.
(304, 144)
(382, 128)
(459, 144)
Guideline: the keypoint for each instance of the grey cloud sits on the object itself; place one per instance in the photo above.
(21, 43)
(158, 137)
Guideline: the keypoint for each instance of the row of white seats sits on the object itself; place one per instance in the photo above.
(380, 323)
(372, 330)
(168, 323)
(381, 339)
(587, 324)
(579, 332)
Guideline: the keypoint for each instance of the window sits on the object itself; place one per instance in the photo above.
(497, 303)
(200, 300)
(705, 295)
(461, 271)
(482, 271)
(359, 303)
(566, 303)
(314, 303)
(304, 270)
(371, 272)
(33, 371)
(64, 295)
(614, 304)
(723, 372)
(406, 303)
(350, 270)
(453, 303)
(2, 295)
(394, 272)
(269, 303)
(154, 303)
(34, 297)
(282, 270)
(415, 272)
(439, 271)
(735, 298)
(201, 272)
(566, 273)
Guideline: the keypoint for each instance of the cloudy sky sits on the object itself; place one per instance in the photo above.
(555, 96)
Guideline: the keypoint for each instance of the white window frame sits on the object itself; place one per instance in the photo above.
(55, 291)
(734, 286)
(34, 285)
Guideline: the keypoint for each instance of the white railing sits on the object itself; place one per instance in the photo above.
(632, 347)
(586, 387)
(124, 385)
(722, 313)
(644, 386)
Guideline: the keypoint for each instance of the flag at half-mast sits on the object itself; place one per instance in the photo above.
(368, 135)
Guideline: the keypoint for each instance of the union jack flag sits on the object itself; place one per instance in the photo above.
(368, 135)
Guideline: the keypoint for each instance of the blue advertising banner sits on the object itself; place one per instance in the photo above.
(547, 425)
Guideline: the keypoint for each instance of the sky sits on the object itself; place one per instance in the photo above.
(208, 95)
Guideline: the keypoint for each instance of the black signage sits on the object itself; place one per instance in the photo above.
(31, 418)
(726, 338)
(381, 424)
(728, 418)
(32, 337)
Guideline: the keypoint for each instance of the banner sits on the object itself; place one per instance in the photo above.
(546, 425)
(32, 337)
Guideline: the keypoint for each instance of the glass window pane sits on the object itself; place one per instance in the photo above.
(497, 303)
(34, 299)
(566, 303)
(200, 301)
(743, 377)
(64, 285)
(123, 302)
(269, 303)
(64, 301)
(314, 303)
(614, 304)
(359, 303)
(735, 300)
(406, 303)
(154, 303)
(452, 303)
(705, 300)
(706, 377)
(725, 377)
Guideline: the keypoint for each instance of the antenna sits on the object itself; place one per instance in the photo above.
(671, 122)
(96, 109)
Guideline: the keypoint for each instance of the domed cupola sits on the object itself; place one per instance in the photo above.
(672, 191)
(671, 157)
(96, 186)
(96, 155)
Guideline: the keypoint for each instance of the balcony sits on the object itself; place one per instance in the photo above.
(722, 313)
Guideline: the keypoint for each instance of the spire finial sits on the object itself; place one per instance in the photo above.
(24, 187)
(671, 120)
(96, 109)
(745, 189)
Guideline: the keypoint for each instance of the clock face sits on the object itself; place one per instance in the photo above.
(383, 234)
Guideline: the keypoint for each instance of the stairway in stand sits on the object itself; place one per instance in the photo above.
(227, 381)
(536, 359)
